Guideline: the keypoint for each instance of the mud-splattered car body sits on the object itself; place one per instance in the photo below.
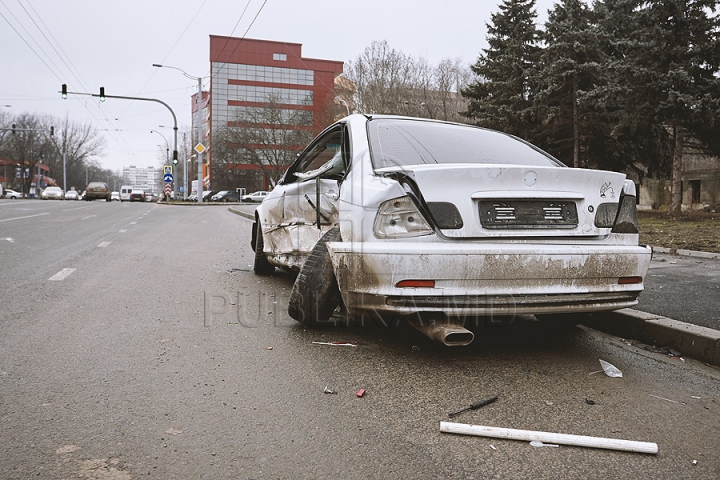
(434, 217)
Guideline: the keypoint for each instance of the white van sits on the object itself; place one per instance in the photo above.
(125, 193)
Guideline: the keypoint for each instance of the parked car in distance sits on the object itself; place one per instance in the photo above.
(225, 196)
(149, 196)
(72, 195)
(255, 197)
(12, 194)
(137, 195)
(444, 225)
(97, 190)
(115, 196)
(52, 193)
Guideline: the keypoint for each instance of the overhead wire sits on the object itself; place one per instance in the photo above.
(56, 71)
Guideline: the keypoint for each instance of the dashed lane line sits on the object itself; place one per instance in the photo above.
(62, 274)
(104, 244)
(28, 216)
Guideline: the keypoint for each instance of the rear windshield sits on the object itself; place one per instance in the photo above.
(398, 142)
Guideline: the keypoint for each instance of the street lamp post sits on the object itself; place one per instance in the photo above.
(167, 145)
(199, 125)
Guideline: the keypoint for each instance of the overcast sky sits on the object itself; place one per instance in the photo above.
(91, 43)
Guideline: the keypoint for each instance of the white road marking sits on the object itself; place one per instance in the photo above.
(133, 223)
(8, 239)
(62, 274)
(122, 231)
(104, 244)
(77, 208)
(89, 216)
(29, 216)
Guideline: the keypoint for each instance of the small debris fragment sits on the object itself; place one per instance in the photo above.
(694, 462)
(590, 401)
(474, 406)
(336, 344)
(415, 348)
(610, 369)
(535, 443)
(268, 348)
(668, 400)
(493, 447)
(549, 402)
(327, 390)
(173, 431)
(361, 392)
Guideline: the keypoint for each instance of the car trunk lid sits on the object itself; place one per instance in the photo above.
(470, 200)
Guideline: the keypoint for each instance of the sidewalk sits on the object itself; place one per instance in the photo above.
(700, 343)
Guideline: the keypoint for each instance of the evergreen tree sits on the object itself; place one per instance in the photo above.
(685, 92)
(631, 142)
(503, 95)
(672, 72)
(570, 68)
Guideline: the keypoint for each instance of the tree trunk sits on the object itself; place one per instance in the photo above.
(676, 185)
(576, 124)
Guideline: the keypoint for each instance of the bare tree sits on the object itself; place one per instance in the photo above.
(388, 81)
(32, 143)
(267, 137)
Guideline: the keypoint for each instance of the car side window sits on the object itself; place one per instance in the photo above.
(325, 157)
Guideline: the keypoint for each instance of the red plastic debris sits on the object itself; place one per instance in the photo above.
(361, 392)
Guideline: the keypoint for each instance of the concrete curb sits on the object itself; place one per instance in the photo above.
(700, 343)
(249, 215)
(687, 253)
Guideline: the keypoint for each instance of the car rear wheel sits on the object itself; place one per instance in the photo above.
(315, 294)
(261, 266)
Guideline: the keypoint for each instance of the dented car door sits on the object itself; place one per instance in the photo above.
(304, 204)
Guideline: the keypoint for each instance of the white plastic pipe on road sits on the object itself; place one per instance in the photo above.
(546, 437)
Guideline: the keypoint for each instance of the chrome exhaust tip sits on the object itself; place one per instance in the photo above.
(446, 331)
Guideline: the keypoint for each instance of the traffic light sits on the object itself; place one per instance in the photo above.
(13, 129)
(64, 91)
(102, 94)
(175, 160)
(52, 131)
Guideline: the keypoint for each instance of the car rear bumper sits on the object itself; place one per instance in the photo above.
(488, 279)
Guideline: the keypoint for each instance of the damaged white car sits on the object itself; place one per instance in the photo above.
(392, 216)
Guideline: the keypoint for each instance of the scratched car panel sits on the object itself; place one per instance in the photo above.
(410, 218)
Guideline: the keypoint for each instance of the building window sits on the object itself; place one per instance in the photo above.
(280, 56)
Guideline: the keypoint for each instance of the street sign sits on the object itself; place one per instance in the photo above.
(200, 148)
(167, 169)
(168, 178)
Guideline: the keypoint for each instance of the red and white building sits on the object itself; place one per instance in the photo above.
(246, 72)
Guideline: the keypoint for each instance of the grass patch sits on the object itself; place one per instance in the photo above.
(689, 230)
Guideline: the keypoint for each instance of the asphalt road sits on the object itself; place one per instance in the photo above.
(683, 288)
(161, 354)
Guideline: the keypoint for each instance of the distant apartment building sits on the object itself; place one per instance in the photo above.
(245, 74)
(147, 177)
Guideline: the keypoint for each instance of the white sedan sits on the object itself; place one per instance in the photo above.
(52, 193)
(255, 197)
(12, 194)
(441, 224)
(72, 195)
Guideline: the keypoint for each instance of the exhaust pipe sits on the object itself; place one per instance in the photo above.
(446, 331)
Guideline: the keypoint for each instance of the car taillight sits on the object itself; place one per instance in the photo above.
(400, 218)
(627, 217)
(621, 217)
